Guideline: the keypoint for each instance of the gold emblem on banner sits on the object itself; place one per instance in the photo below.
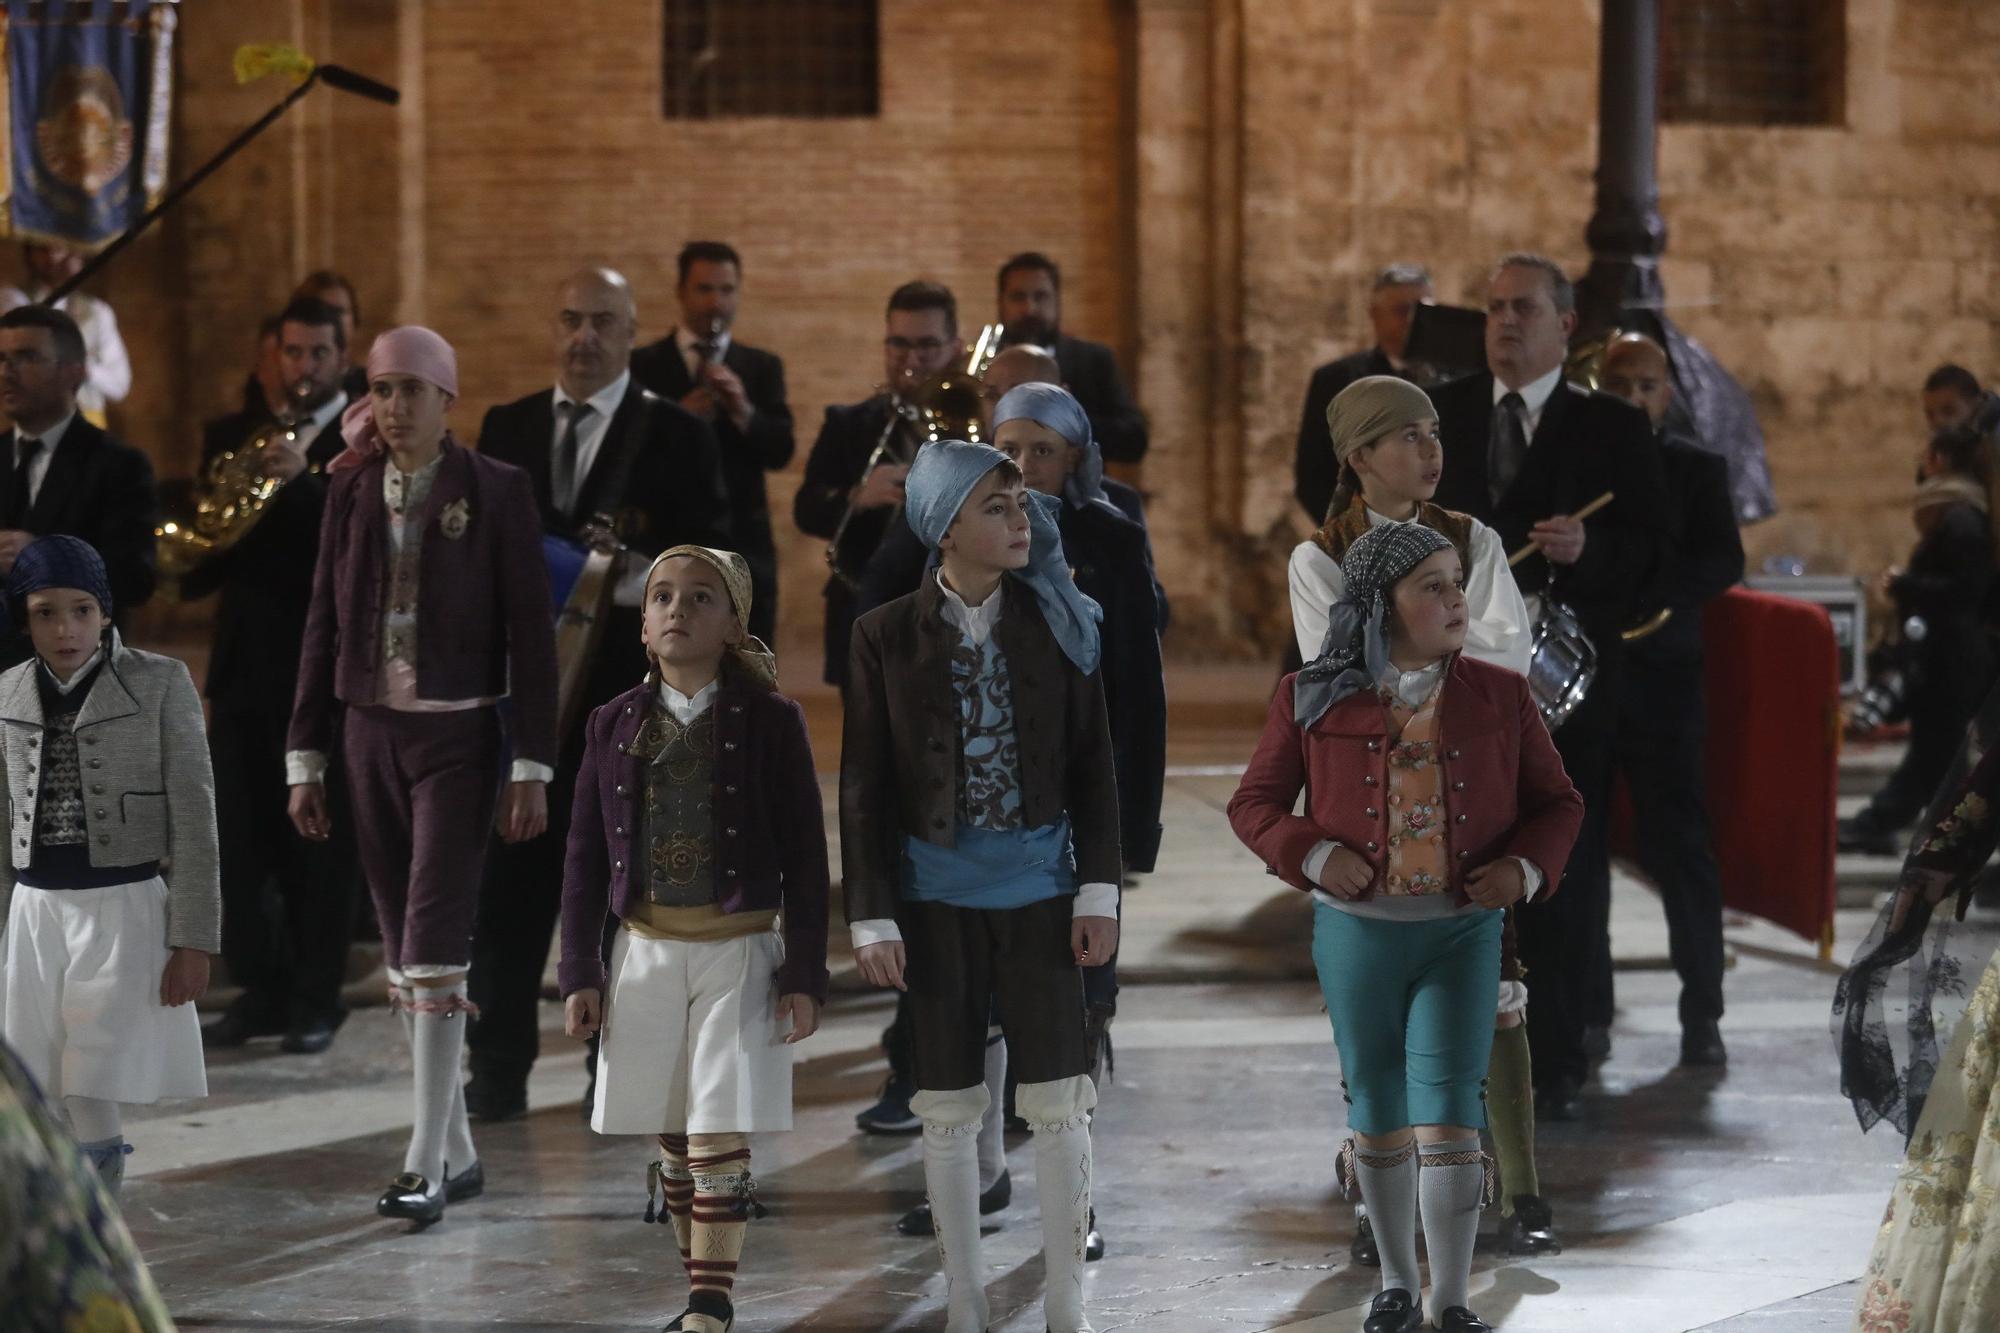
(84, 135)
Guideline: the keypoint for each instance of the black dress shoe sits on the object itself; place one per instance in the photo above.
(467, 1184)
(1559, 1100)
(1395, 1311)
(1701, 1044)
(494, 1099)
(236, 1027)
(1597, 1041)
(1362, 1249)
(713, 1304)
(917, 1222)
(310, 1036)
(1093, 1241)
(409, 1196)
(1532, 1228)
(1458, 1319)
(1862, 835)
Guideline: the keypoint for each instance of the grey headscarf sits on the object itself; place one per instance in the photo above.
(1055, 407)
(1355, 652)
(941, 479)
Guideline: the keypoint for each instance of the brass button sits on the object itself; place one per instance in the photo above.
(1371, 812)
(1461, 856)
(1458, 786)
(729, 745)
(730, 832)
(619, 829)
(1451, 754)
(736, 708)
(729, 790)
(102, 812)
(628, 710)
(1372, 847)
(97, 789)
(621, 789)
(617, 865)
(731, 874)
(1374, 746)
(97, 763)
(1368, 781)
(1459, 820)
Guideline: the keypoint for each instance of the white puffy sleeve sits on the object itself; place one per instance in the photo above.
(1316, 583)
(1498, 631)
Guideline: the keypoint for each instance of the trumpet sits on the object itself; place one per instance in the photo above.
(946, 406)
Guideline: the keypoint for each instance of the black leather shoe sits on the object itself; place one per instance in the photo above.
(1093, 1241)
(1395, 1311)
(1862, 835)
(467, 1184)
(1701, 1045)
(236, 1027)
(1559, 1100)
(1362, 1248)
(1458, 1319)
(310, 1036)
(409, 1196)
(1532, 1228)
(713, 1304)
(891, 1114)
(490, 1098)
(917, 1222)
(1597, 1041)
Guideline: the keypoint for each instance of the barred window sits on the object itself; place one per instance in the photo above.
(1753, 62)
(814, 58)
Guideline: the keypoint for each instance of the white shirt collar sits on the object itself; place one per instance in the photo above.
(605, 401)
(1411, 688)
(1535, 393)
(975, 622)
(64, 687)
(50, 438)
(1377, 519)
(685, 708)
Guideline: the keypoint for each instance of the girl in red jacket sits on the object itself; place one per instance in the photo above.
(1434, 798)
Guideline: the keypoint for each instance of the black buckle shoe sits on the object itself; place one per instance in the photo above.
(917, 1222)
(409, 1196)
(1395, 1311)
(1701, 1045)
(1362, 1249)
(1532, 1228)
(711, 1304)
(1458, 1319)
(467, 1184)
(1093, 1241)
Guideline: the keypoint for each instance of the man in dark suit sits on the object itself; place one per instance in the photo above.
(1392, 306)
(740, 391)
(1523, 451)
(1030, 289)
(289, 961)
(607, 458)
(921, 338)
(64, 474)
(1662, 716)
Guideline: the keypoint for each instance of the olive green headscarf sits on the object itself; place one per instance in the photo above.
(1364, 412)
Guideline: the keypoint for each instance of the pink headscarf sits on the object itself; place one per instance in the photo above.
(409, 350)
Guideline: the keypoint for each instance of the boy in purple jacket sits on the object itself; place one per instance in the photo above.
(698, 825)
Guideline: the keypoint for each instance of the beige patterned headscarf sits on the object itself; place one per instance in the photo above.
(752, 656)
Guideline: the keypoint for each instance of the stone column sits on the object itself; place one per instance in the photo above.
(1626, 232)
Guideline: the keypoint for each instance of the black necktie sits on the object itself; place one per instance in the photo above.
(564, 483)
(19, 501)
(1506, 445)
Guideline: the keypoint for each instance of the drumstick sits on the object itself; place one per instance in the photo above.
(1579, 515)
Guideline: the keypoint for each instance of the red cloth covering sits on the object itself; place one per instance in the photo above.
(1773, 682)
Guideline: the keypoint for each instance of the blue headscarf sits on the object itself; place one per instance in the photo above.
(1055, 407)
(941, 479)
(57, 561)
(1355, 653)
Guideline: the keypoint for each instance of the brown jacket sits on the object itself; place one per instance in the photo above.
(899, 765)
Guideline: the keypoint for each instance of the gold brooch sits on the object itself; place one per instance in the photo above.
(454, 518)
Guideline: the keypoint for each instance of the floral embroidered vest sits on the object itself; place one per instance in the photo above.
(1419, 862)
(678, 817)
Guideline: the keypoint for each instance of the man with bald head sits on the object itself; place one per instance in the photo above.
(611, 461)
(1662, 716)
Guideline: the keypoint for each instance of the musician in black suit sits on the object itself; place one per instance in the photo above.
(921, 338)
(1392, 306)
(287, 902)
(1524, 450)
(64, 474)
(1663, 716)
(596, 445)
(740, 391)
(1030, 292)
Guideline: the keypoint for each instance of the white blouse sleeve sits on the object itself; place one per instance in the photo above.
(1498, 631)
(1316, 583)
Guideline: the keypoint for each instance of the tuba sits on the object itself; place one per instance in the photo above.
(229, 495)
(946, 406)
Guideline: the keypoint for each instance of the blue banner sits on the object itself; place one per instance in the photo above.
(89, 88)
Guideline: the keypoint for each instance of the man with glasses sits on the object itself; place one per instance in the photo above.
(921, 338)
(64, 474)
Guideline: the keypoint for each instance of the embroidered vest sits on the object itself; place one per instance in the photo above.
(989, 765)
(1419, 860)
(1342, 530)
(677, 818)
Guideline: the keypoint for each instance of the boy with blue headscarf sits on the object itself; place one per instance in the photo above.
(980, 844)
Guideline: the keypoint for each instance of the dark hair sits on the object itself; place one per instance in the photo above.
(1028, 260)
(321, 279)
(926, 295)
(1955, 378)
(707, 252)
(62, 329)
(315, 312)
(1963, 449)
(1562, 292)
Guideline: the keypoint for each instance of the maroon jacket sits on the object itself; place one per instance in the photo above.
(1505, 789)
(485, 628)
(770, 830)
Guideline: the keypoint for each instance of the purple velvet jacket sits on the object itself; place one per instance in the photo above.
(770, 830)
(485, 627)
